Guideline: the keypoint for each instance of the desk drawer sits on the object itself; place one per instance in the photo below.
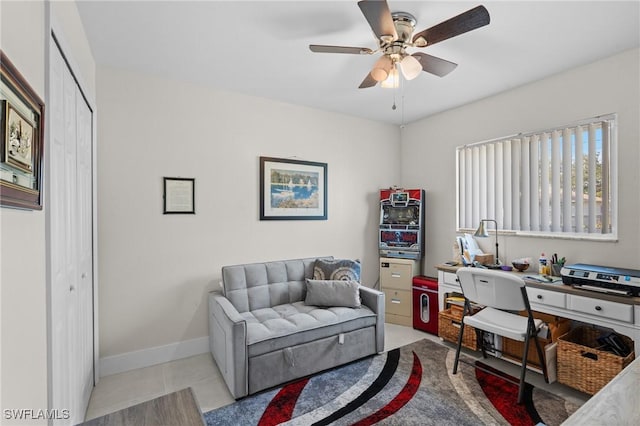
(546, 297)
(450, 278)
(397, 302)
(601, 308)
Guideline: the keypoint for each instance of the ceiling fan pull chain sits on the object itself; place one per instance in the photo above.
(402, 106)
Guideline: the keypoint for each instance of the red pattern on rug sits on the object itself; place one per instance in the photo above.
(383, 402)
(280, 409)
(503, 394)
(405, 395)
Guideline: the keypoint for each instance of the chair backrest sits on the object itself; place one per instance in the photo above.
(498, 289)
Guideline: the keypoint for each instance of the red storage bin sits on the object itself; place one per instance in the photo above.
(425, 304)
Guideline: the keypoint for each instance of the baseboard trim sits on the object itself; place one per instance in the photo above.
(151, 356)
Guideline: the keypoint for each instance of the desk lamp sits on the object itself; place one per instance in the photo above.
(482, 233)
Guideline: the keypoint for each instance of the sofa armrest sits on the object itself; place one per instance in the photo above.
(228, 343)
(374, 300)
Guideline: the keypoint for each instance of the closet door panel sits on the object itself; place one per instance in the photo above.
(57, 232)
(84, 320)
(71, 245)
(69, 194)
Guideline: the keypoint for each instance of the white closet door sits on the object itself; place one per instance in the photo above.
(84, 314)
(70, 228)
(58, 208)
(68, 194)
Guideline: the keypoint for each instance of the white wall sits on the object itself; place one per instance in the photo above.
(23, 294)
(156, 270)
(22, 235)
(607, 86)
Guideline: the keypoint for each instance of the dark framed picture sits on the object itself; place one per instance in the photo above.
(17, 138)
(292, 189)
(21, 140)
(179, 195)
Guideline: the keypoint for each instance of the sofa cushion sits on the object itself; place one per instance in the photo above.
(333, 293)
(290, 324)
(336, 269)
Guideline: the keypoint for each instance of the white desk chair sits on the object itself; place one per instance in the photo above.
(503, 295)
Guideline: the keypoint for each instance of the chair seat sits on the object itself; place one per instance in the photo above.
(502, 323)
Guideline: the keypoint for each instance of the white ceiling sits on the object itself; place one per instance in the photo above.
(261, 48)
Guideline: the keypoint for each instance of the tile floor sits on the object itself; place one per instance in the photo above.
(199, 372)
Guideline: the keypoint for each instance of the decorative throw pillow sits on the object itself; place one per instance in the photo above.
(336, 269)
(344, 293)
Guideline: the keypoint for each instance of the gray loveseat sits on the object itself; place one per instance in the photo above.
(262, 333)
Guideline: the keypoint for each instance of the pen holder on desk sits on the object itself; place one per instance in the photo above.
(555, 269)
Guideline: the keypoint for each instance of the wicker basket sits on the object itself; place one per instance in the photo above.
(449, 329)
(584, 367)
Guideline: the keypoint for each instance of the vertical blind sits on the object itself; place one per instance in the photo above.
(553, 181)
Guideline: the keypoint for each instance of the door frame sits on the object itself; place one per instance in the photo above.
(55, 34)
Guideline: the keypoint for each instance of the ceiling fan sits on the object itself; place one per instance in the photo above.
(395, 33)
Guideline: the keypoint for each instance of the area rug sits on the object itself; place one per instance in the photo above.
(412, 385)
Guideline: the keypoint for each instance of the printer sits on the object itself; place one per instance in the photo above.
(604, 279)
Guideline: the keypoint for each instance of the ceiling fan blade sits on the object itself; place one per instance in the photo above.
(434, 65)
(467, 21)
(318, 48)
(368, 81)
(379, 17)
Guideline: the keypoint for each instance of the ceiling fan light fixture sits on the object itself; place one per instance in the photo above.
(393, 80)
(420, 41)
(381, 68)
(379, 74)
(410, 67)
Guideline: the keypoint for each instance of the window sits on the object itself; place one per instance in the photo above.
(558, 181)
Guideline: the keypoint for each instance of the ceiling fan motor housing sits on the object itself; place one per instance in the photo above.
(404, 24)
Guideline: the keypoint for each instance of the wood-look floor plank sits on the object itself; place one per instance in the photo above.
(177, 408)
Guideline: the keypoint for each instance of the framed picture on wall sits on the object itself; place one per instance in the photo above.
(17, 138)
(21, 142)
(179, 195)
(292, 189)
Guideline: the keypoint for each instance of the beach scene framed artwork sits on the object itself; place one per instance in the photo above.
(292, 189)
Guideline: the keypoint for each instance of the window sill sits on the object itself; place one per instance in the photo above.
(609, 238)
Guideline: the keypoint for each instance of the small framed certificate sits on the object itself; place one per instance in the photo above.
(179, 195)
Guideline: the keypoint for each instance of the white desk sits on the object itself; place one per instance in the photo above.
(619, 313)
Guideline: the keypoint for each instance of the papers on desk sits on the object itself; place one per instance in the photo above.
(548, 279)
